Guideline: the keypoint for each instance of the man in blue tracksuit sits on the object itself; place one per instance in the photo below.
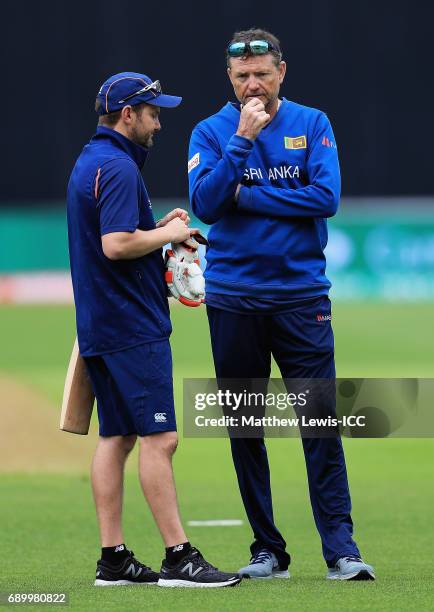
(264, 173)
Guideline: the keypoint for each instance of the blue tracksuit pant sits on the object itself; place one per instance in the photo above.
(303, 347)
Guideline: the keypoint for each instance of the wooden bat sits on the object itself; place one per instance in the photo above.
(78, 396)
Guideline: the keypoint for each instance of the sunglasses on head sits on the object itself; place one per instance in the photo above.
(254, 47)
(154, 88)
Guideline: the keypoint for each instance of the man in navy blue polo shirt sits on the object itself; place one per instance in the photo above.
(123, 328)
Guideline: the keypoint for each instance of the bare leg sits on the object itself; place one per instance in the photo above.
(156, 478)
(108, 483)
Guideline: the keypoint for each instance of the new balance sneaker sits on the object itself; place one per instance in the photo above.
(351, 568)
(129, 571)
(263, 564)
(194, 571)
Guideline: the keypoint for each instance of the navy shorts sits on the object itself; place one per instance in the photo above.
(134, 390)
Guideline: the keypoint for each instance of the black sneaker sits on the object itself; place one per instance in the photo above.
(129, 571)
(194, 571)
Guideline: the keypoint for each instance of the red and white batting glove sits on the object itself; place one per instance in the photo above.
(184, 277)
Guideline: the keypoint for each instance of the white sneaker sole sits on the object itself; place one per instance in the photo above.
(362, 574)
(196, 585)
(281, 574)
(108, 583)
(276, 574)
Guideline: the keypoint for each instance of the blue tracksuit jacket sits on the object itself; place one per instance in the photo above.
(270, 244)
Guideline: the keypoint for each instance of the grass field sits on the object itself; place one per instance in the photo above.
(49, 538)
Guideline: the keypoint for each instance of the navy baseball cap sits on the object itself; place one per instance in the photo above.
(132, 88)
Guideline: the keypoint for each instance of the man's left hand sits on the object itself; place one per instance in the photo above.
(176, 212)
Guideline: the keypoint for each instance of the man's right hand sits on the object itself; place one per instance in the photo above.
(252, 119)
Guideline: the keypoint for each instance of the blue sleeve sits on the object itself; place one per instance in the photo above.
(213, 176)
(117, 189)
(318, 199)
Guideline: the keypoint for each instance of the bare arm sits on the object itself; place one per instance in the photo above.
(130, 245)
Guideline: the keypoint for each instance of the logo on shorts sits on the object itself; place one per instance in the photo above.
(160, 417)
(324, 317)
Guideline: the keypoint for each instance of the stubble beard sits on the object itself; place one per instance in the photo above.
(149, 141)
(270, 104)
(144, 140)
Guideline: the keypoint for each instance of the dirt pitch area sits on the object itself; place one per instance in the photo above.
(30, 439)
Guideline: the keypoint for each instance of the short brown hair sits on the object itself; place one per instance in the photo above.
(256, 34)
(111, 119)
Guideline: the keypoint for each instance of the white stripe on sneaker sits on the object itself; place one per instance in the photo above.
(194, 585)
(104, 583)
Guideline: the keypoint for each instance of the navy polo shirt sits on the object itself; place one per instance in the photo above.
(123, 303)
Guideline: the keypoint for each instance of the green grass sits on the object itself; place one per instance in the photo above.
(371, 340)
(49, 534)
